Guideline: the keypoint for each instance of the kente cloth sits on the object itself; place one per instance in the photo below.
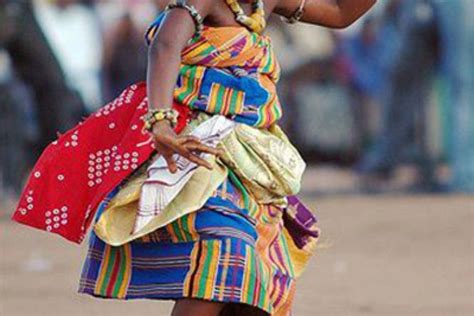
(229, 71)
(225, 70)
(232, 250)
(261, 247)
(266, 163)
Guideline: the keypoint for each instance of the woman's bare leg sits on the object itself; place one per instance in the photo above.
(186, 307)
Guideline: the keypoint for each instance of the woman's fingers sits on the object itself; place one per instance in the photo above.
(171, 163)
(199, 161)
(188, 147)
(201, 148)
(195, 145)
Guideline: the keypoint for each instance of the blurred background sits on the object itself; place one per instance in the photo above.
(383, 113)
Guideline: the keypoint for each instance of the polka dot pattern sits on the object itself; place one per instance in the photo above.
(29, 205)
(124, 98)
(102, 161)
(83, 165)
(74, 141)
(56, 218)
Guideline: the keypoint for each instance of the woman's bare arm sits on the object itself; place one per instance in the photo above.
(164, 59)
(329, 13)
(164, 54)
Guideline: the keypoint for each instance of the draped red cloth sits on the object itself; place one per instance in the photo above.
(76, 172)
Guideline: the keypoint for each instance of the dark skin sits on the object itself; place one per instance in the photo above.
(163, 69)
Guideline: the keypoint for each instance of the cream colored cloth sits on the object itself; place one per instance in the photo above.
(264, 160)
(161, 186)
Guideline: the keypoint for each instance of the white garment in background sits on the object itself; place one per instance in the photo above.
(75, 37)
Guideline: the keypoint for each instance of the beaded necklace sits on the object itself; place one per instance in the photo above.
(256, 21)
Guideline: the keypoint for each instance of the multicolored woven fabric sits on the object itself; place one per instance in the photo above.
(232, 250)
(229, 71)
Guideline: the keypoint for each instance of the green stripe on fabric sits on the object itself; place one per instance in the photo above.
(205, 269)
(108, 271)
(219, 102)
(287, 254)
(233, 102)
(177, 230)
(236, 181)
(186, 230)
(120, 273)
(188, 72)
(261, 299)
(207, 51)
(251, 271)
(268, 65)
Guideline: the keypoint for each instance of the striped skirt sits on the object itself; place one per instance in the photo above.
(232, 250)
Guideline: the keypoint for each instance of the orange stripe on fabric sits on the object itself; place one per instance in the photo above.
(187, 291)
(115, 271)
(171, 232)
(226, 268)
(195, 85)
(212, 271)
(103, 270)
(199, 271)
(191, 226)
(127, 273)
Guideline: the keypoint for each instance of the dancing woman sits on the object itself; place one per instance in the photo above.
(234, 238)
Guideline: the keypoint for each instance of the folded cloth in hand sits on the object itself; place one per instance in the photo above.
(162, 186)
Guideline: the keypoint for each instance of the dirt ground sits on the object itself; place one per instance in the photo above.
(380, 256)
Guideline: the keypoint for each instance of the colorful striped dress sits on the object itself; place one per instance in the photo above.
(234, 249)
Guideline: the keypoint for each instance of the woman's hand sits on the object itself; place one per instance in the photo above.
(167, 143)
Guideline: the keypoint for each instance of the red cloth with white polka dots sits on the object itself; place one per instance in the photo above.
(76, 172)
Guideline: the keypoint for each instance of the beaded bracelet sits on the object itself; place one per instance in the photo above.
(297, 15)
(157, 115)
(193, 12)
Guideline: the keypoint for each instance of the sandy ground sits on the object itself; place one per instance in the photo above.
(379, 256)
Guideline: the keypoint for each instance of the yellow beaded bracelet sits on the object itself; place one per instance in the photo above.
(156, 115)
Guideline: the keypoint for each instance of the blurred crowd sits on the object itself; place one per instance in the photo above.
(395, 89)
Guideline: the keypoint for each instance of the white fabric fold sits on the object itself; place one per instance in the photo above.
(162, 186)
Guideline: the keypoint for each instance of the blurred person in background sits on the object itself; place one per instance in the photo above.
(457, 47)
(55, 108)
(370, 55)
(73, 31)
(306, 56)
(405, 100)
(125, 57)
(207, 60)
(426, 34)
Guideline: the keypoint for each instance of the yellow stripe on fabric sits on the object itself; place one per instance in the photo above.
(196, 85)
(171, 232)
(177, 229)
(262, 291)
(199, 269)
(266, 276)
(211, 275)
(249, 275)
(103, 270)
(119, 278)
(191, 77)
(286, 255)
(187, 290)
(213, 103)
(191, 220)
(127, 272)
(202, 284)
(226, 268)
